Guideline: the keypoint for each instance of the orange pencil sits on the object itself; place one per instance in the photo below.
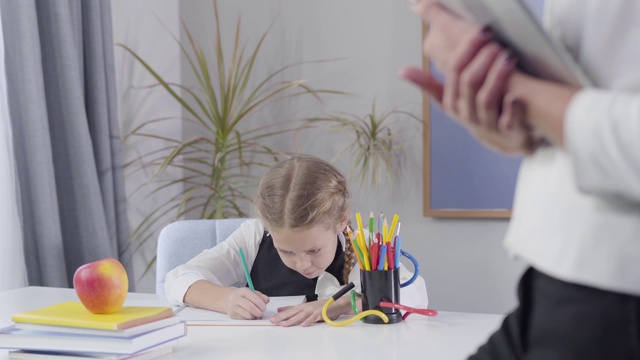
(355, 248)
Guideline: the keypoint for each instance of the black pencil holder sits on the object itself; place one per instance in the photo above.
(377, 286)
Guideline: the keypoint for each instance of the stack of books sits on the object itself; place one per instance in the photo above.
(68, 330)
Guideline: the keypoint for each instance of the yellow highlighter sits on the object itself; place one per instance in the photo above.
(359, 316)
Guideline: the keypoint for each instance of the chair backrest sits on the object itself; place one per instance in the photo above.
(182, 240)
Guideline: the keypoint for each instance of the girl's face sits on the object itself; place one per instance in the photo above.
(307, 251)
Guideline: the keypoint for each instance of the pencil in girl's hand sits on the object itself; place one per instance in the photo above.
(246, 270)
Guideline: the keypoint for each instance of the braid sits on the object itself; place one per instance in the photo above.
(349, 256)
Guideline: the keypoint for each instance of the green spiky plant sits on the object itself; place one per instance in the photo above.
(218, 166)
(375, 148)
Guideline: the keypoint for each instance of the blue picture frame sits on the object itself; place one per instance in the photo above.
(462, 177)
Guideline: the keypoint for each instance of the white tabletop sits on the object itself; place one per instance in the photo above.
(449, 335)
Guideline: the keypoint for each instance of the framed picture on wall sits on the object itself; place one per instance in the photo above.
(462, 178)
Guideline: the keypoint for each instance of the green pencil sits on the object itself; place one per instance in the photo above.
(246, 270)
(371, 234)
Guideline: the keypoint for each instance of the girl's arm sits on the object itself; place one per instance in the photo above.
(238, 303)
(215, 279)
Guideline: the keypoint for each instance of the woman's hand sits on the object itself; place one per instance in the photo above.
(476, 71)
(243, 304)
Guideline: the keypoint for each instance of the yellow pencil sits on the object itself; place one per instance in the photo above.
(385, 231)
(360, 228)
(394, 222)
(361, 242)
(385, 235)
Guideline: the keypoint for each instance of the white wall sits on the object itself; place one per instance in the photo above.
(463, 261)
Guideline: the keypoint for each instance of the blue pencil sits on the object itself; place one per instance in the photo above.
(397, 250)
(383, 255)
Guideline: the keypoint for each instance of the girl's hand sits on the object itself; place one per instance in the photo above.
(311, 312)
(243, 304)
(304, 314)
(476, 71)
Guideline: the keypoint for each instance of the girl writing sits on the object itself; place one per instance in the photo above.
(295, 246)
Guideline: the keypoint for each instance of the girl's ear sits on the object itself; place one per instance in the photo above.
(342, 226)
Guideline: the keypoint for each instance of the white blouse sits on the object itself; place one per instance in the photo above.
(221, 265)
(576, 212)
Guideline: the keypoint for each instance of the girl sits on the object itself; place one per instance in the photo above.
(296, 246)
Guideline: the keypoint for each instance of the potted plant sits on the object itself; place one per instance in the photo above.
(219, 165)
(375, 146)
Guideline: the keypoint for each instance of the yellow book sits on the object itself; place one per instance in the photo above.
(74, 314)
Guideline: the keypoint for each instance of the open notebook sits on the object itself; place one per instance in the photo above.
(194, 316)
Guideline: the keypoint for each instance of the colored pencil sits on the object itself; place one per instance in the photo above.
(371, 234)
(383, 252)
(392, 229)
(355, 248)
(397, 249)
(246, 270)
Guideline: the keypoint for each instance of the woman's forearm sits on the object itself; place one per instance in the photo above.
(545, 104)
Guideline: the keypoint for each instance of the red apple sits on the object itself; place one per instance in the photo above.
(101, 285)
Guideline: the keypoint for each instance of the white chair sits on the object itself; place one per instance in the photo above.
(182, 240)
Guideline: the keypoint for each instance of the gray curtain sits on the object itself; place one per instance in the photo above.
(62, 102)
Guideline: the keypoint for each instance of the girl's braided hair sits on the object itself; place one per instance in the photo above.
(302, 192)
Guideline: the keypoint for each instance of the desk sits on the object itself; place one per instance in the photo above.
(449, 335)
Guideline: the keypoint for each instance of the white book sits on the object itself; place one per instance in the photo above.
(12, 338)
(195, 316)
(129, 332)
(51, 355)
(514, 25)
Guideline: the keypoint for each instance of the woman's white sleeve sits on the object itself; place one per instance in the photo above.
(220, 264)
(602, 135)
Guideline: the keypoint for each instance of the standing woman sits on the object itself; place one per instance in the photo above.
(576, 212)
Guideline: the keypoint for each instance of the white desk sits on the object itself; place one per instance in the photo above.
(449, 335)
